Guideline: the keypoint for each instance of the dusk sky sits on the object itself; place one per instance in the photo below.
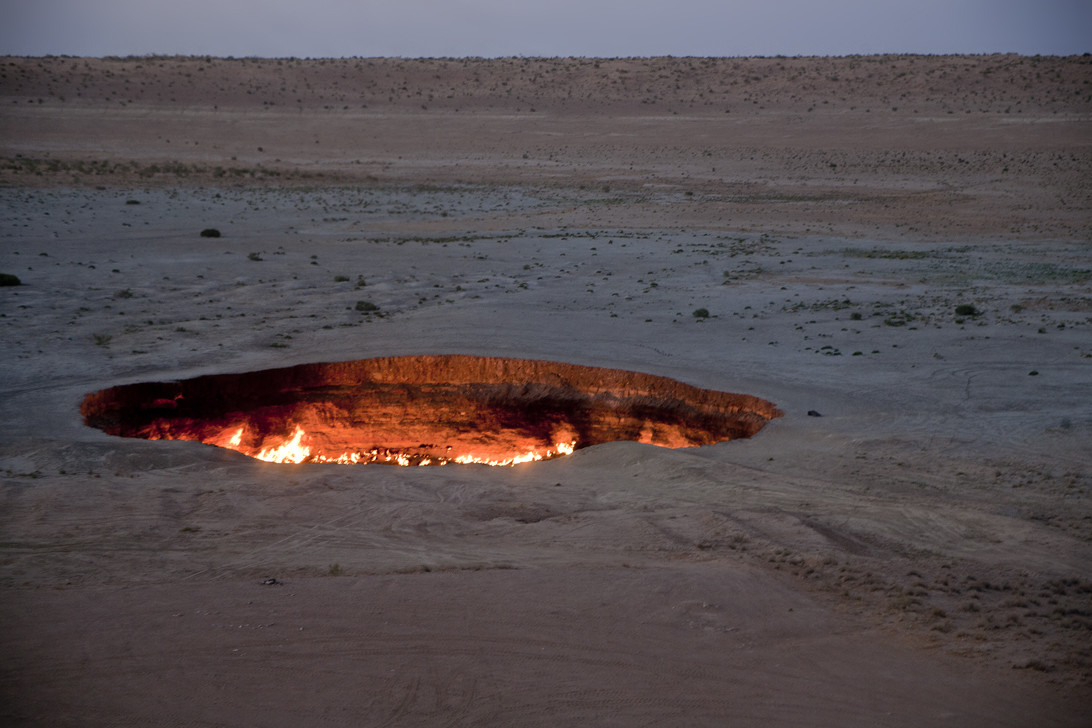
(416, 28)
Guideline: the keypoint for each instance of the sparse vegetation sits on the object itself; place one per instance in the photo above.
(366, 306)
(885, 254)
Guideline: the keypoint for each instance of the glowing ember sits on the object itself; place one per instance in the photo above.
(426, 410)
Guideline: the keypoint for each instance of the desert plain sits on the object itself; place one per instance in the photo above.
(919, 554)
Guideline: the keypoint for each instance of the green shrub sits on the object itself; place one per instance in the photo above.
(210, 233)
(966, 309)
(366, 306)
(7, 279)
(341, 279)
(701, 313)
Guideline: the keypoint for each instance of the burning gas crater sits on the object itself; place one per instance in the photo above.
(425, 410)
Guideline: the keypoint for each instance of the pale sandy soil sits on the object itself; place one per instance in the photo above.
(919, 555)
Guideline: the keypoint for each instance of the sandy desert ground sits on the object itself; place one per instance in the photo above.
(919, 555)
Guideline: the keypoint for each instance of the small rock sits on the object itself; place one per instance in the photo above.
(813, 413)
(272, 582)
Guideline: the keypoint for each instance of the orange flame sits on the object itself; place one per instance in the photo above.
(291, 451)
(560, 448)
(294, 450)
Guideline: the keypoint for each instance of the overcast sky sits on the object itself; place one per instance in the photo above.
(415, 28)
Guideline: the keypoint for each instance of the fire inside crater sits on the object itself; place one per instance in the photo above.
(426, 410)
